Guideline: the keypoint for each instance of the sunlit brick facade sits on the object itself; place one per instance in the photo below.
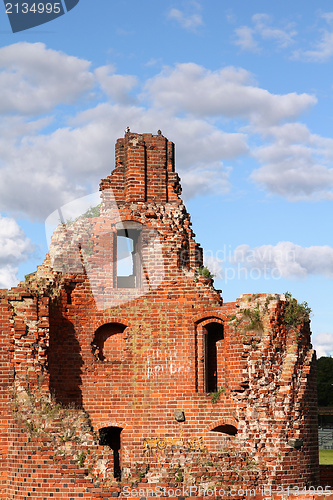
(122, 366)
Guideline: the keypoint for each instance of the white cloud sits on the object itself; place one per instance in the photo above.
(187, 21)
(210, 146)
(282, 37)
(214, 264)
(13, 243)
(8, 276)
(200, 166)
(203, 180)
(294, 161)
(34, 79)
(228, 92)
(295, 164)
(247, 37)
(70, 161)
(116, 86)
(323, 343)
(41, 170)
(322, 49)
(328, 16)
(15, 247)
(46, 171)
(286, 259)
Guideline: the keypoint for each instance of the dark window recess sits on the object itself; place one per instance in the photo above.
(128, 258)
(226, 429)
(214, 334)
(69, 287)
(110, 436)
(103, 333)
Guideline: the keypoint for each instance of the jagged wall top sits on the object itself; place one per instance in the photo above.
(144, 170)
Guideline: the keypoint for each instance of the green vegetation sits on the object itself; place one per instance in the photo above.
(325, 457)
(295, 313)
(325, 381)
(81, 459)
(268, 301)
(255, 319)
(215, 396)
(89, 247)
(252, 319)
(141, 469)
(205, 272)
(179, 476)
(27, 276)
(91, 212)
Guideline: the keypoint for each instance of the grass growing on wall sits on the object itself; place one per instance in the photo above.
(325, 457)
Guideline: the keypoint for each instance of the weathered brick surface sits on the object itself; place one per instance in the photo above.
(326, 475)
(192, 392)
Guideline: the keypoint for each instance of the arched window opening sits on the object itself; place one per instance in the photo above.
(128, 255)
(110, 436)
(226, 429)
(213, 357)
(109, 342)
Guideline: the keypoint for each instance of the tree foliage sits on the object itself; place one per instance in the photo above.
(325, 381)
(295, 313)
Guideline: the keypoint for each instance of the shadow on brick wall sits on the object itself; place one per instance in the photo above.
(65, 364)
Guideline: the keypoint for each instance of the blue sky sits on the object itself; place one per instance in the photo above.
(244, 90)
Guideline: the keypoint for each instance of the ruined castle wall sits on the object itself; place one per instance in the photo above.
(147, 376)
(6, 379)
(136, 378)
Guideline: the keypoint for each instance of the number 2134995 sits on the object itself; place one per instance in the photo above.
(35, 8)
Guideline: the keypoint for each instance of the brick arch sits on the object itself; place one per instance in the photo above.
(224, 421)
(212, 319)
(111, 319)
(115, 423)
(210, 352)
(207, 317)
(122, 224)
(109, 342)
(145, 224)
(90, 327)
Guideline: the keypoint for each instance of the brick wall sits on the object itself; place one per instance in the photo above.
(6, 374)
(158, 382)
(326, 475)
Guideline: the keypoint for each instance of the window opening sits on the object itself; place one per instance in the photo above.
(110, 436)
(69, 287)
(226, 429)
(109, 343)
(213, 336)
(128, 260)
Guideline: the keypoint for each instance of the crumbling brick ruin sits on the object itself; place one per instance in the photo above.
(132, 372)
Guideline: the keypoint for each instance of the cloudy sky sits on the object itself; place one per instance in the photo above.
(244, 89)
